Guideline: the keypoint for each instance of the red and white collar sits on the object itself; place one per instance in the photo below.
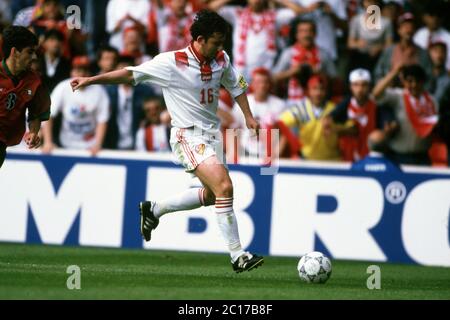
(197, 55)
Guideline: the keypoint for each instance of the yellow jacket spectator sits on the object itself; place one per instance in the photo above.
(318, 141)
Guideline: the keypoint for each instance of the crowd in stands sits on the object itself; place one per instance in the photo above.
(337, 78)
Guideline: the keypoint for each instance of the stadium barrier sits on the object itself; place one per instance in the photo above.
(69, 198)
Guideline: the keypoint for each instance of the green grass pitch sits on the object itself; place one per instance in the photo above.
(39, 272)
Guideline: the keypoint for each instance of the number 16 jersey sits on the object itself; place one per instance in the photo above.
(190, 85)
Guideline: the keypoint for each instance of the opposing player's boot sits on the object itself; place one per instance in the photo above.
(247, 262)
(148, 220)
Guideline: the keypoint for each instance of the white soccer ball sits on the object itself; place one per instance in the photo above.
(314, 267)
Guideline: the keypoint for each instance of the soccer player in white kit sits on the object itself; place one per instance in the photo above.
(190, 79)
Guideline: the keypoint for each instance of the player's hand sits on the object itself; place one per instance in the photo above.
(253, 125)
(79, 82)
(33, 140)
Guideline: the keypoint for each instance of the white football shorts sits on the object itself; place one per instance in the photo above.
(192, 147)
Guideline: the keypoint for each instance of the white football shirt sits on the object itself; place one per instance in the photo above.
(191, 98)
(81, 111)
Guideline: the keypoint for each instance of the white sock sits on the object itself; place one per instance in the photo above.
(228, 226)
(188, 200)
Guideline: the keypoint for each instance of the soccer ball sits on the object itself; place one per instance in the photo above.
(314, 267)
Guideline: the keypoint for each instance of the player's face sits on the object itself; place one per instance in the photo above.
(24, 58)
(214, 44)
(360, 90)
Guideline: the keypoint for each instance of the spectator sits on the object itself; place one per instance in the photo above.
(265, 107)
(54, 67)
(133, 45)
(254, 32)
(404, 52)
(443, 128)
(376, 161)
(303, 52)
(126, 111)
(440, 77)
(154, 131)
(121, 14)
(357, 115)
(433, 32)
(317, 142)
(84, 113)
(24, 12)
(107, 58)
(366, 42)
(172, 24)
(329, 15)
(392, 10)
(17, 5)
(5, 12)
(415, 110)
(49, 16)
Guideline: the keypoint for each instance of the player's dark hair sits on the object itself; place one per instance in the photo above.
(416, 71)
(206, 23)
(17, 37)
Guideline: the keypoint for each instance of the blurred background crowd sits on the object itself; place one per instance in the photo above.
(338, 78)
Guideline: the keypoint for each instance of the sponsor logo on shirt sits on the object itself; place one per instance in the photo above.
(79, 111)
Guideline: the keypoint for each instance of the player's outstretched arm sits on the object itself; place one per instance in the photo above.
(114, 77)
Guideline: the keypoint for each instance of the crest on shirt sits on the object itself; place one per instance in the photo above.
(29, 92)
(200, 149)
(11, 101)
(242, 83)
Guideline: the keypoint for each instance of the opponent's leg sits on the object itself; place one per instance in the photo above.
(214, 176)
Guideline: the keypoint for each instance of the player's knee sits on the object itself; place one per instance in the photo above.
(225, 189)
